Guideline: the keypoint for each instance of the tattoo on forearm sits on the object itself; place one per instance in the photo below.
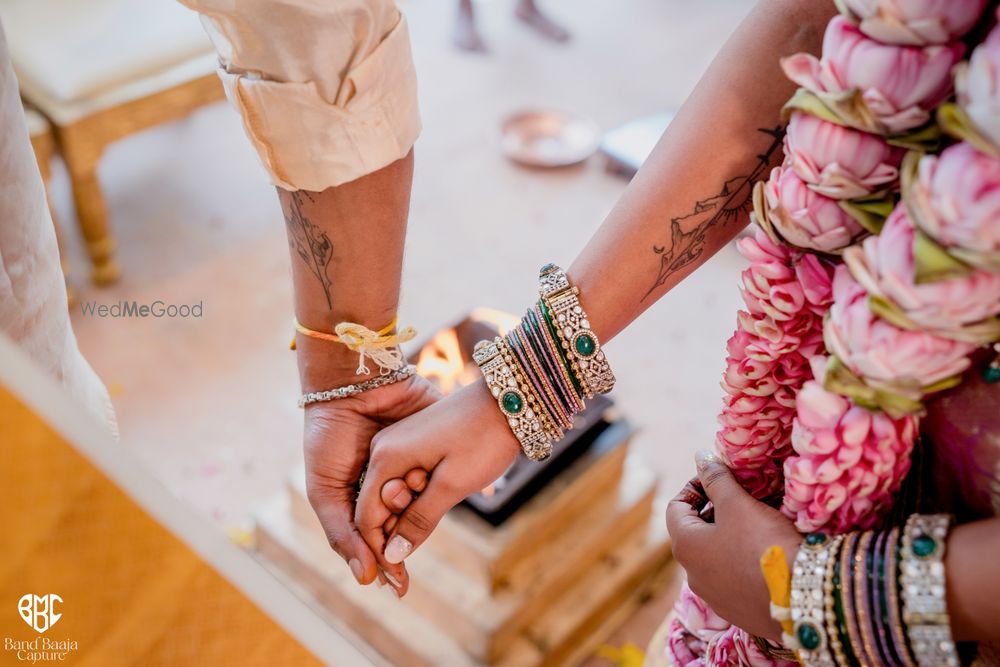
(308, 241)
(687, 232)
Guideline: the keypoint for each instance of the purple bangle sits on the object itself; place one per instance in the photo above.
(565, 418)
(562, 371)
(542, 388)
(540, 350)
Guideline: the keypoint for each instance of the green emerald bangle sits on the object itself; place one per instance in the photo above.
(573, 329)
(574, 380)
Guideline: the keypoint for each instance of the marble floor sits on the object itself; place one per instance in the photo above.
(209, 403)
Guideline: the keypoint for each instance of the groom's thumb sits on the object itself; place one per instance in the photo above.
(419, 519)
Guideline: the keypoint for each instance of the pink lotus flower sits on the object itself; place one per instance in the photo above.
(884, 356)
(684, 649)
(736, 648)
(885, 268)
(805, 218)
(915, 22)
(899, 85)
(837, 161)
(956, 200)
(697, 617)
(977, 84)
(850, 462)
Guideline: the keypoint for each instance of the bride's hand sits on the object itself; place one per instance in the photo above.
(462, 440)
(722, 559)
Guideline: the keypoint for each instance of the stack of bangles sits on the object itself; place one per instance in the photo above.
(542, 371)
(872, 598)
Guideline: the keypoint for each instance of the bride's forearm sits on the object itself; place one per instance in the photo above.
(693, 193)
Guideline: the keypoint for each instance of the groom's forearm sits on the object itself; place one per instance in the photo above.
(692, 195)
(346, 246)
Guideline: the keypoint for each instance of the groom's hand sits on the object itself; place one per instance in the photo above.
(465, 444)
(337, 443)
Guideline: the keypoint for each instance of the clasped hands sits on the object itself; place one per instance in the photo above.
(425, 454)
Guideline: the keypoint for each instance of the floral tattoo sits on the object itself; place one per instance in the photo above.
(687, 232)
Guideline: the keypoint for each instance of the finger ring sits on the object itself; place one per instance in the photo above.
(693, 495)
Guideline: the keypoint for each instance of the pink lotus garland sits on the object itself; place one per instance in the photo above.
(964, 307)
(697, 636)
(914, 22)
(956, 201)
(838, 161)
(977, 86)
(803, 217)
(898, 85)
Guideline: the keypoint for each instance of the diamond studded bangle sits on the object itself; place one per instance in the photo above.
(513, 398)
(814, 566)
(391, 377)
(896, 632)
(922, 581)
(573, 328)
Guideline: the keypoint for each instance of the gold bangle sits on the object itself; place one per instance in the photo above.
(534, 400)
(922, 580)
(812, 564)
(573, 328)
(512, 398)
(860, 606)
(898, 634)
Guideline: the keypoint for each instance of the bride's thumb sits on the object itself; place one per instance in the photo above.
(418, 521)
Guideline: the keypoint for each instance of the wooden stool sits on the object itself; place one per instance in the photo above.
(100, 71)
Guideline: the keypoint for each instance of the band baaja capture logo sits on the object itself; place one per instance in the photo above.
(40, 613)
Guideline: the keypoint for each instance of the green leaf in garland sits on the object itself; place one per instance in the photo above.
(956, 123)
(932, 262)
(927, 138)
(808, 102)
(840, 380)
(890, 312)
(870, 211)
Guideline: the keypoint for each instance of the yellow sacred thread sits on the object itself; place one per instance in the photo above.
(381, 346)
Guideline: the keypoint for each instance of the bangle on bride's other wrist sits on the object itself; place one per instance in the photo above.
(922, 585)
(812, 599)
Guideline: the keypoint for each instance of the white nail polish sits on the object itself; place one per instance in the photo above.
(398, 549)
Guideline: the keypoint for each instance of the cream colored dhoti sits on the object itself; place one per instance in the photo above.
(326, 90)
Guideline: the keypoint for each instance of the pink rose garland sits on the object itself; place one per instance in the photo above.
(849, 461)
(786, 294)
